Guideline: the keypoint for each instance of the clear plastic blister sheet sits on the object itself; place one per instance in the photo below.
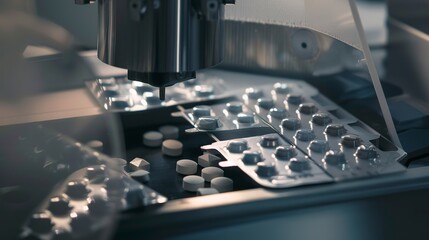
(342, 145)
(118, 94)
(274, 165)
(84, 189)
(221, 117)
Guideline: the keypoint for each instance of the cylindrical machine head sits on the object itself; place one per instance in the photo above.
(161, 42)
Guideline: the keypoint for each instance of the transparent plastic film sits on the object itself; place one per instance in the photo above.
(320, 42)
(58, 180)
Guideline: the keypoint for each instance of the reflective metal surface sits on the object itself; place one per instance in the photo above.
(161, 42)
(291, 51)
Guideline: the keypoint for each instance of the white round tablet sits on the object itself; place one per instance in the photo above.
(192, 183)
(152, 139)
(169, 132)
(209, 173)
(222, 184)
(172, 148)
(186, 167)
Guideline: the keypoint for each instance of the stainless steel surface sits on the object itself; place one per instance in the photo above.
(161, 42)
(288, 50)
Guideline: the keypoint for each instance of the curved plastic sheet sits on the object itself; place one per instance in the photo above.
(331, 17)
(321, 41)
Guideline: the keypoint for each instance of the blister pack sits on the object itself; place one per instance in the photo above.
(94, 190)
(221, 117)
(271, 161)
(121, 94)
(334, 139)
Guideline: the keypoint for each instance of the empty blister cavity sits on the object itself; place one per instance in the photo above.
(59, 206)
(77, 189)
(40, 222)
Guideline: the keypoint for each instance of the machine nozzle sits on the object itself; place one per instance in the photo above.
(162, 93)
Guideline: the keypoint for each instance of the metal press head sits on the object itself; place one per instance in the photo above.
(161, 80)
(161, 42)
